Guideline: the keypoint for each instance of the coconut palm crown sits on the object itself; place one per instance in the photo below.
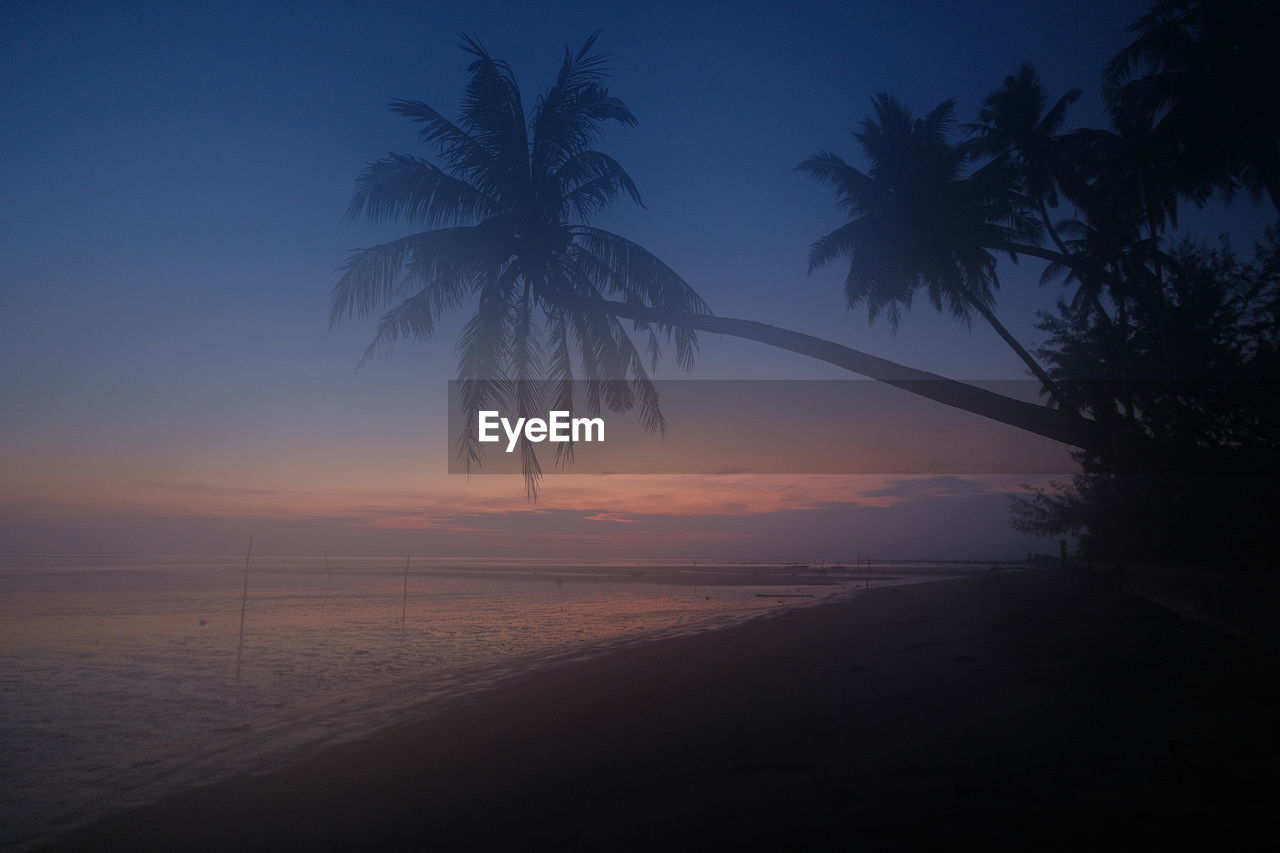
(506, 204)
(1015, 123)
(918, 220)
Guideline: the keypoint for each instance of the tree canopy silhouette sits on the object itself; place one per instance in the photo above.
(1205, 349)
(917, 220)
(1205, 72)
(507, 204)
(1014, 123)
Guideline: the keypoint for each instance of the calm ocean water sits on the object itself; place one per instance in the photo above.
(118, 675)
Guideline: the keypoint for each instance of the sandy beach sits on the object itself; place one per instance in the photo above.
(1012, 710)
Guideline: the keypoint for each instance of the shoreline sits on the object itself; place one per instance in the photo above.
(265, 736)
(995, 708)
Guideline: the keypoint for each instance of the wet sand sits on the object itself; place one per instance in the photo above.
(1022, 710)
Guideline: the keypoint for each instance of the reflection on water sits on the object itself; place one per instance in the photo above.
(117, 675)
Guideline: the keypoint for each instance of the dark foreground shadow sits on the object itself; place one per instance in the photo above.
(1011, 711)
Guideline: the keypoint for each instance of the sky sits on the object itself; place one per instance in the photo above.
(173, 179)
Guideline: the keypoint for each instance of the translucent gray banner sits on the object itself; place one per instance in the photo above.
(744, 427)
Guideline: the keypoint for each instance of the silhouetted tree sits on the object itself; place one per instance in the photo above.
(1206, 351)
(917, 220)
(1205, 72)
(1194, 378)
(507, 205)
(1014, 123)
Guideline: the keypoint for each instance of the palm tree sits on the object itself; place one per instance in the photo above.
(1013, 123)
(1133, 170)
(1131, 183)
(917, 222)
(506, 206)
(1205, 72)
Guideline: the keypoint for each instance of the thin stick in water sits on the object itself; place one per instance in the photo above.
(404, 602)
(244, 600)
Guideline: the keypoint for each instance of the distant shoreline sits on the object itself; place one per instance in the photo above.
(1002, 709)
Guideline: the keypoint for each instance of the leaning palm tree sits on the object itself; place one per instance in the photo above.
(918, 222)
(507, 204)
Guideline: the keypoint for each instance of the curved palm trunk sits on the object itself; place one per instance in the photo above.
(1066, 253)
(1033, 365)
(1034, 251)
(1064, 257)
(1116, 329)
(1049, 227)
(1057, 425)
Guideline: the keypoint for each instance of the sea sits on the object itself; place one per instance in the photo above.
(125, 678)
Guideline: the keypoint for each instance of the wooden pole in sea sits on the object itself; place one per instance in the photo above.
(244, 600)
(404, 601)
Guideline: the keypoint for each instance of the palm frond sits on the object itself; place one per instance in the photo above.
(411, 318)
(560, 372)
(843, 242)
(855, 190)
(637, 275)
(1057, 114)
(589, 181)
(643, 389)
(464, 154)
(493, 114)
(567, 118)
(377, 275)
(484, 349)
(404, 187)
